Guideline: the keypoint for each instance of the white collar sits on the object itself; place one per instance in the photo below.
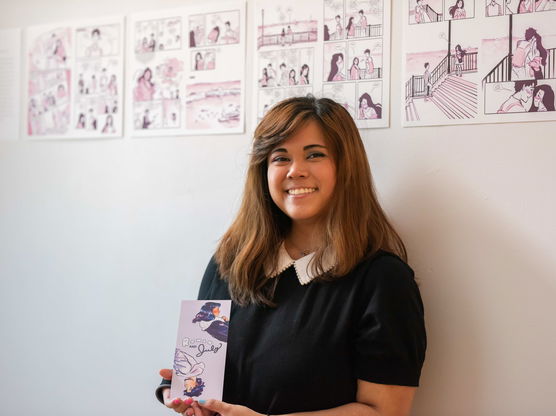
(302, 266)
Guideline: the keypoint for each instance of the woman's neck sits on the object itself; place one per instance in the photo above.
(302, 240)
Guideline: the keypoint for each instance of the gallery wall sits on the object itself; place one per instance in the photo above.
(101, 239)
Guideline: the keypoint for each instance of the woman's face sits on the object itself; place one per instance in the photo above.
(340, 62)
(302, 175)
(460, 4)
(364, 103)
(292, 73)
(148, 74)
(216, 311)
(355, 61)
(538, 97)
(190, 384)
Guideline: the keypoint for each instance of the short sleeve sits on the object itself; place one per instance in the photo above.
(390, 337)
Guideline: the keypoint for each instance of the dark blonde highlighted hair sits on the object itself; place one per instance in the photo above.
(355, 226)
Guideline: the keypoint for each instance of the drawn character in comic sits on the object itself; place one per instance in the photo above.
(326, 33)
(94, 48)
(369, 64)
(283, 37)
(59, 52)
(61, 92)
(230, 36)
(112, 87)
(367, 109)
(144, 90)
(537, 54)
(354, 71)
(152, 43)
(427, 81)
(457, 11)
(420, 12)
(146, 120)
(185, 365)
(362, 23)
(289, 35)
(291, 78)
(193, 386)
(459, 54)
(516, 102)
(543, 99)
(263, 82)
(214, 34)
(283, 75)
(336, 66)
(304, 75)
(271, 75)
(350, 28)
(199, 62)
(209, 320)
(80, 121)
(493, 8)
(109, 125)
(518, 59)
(91, 120)
(339, 30)
(525, 6)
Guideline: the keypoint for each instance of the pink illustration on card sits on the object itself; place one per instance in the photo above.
(200, 354)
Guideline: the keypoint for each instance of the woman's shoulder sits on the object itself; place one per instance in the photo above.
(212, 284)
(383, 268)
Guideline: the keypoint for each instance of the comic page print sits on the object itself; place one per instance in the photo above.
(220, 28)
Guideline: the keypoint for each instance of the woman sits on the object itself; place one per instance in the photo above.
(144, 90)
(367, 109)
(543, 99)
(304, 75)
(326, 316)
(459, 54)
(354, 71)
(336, 67)
(457, 11)
(525, 6)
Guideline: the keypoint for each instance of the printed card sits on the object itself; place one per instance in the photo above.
(200, 355)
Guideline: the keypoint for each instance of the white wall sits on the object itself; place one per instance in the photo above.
(99, 240)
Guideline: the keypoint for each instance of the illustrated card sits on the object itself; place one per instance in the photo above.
(200, 355)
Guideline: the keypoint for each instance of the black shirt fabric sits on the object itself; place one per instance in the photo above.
(307, 353)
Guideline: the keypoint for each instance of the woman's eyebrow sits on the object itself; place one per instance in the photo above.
(311, 146)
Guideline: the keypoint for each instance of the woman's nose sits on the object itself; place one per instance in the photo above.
(298, 169)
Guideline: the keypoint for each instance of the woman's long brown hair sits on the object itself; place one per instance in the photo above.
(355, 226)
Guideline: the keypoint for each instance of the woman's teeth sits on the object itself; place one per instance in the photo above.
(300, 191)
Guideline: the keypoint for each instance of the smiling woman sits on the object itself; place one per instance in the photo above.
(326, 314)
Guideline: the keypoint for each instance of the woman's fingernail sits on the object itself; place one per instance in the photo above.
(188, 401)
(176, 401)
(202, 401)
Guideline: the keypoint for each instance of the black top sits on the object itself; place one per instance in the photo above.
(308, 352)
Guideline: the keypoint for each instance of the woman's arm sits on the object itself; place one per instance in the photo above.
(372, 400)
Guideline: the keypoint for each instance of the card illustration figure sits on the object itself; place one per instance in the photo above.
(200, 355)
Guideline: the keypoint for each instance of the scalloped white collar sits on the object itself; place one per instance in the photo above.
(302, 266)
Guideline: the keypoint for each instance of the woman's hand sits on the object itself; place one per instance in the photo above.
(178, 405)
(209, 407)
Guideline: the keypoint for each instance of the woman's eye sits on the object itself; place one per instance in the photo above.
(315, 155)
(280, 159)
